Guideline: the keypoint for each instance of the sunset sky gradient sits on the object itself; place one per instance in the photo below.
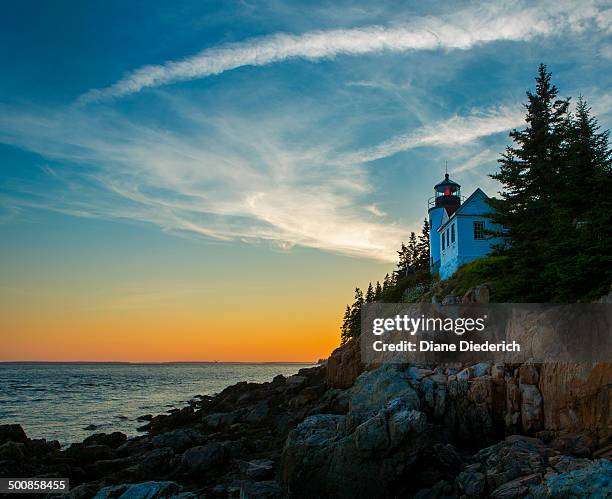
(208, 181)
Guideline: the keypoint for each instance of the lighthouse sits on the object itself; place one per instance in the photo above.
(460, 231)
(444, 203)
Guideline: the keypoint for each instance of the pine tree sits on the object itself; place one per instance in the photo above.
(345, 329)
(378, 290)
(528, 173)
(579, 264)
(387, 282)
(369, 297)
(355, 319)
(413, 252)
(403, 263)
(422, 260)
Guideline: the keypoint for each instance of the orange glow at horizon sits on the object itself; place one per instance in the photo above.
(165, 299)
(164, 338)
(185, 332)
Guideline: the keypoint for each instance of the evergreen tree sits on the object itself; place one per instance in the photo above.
(387, 282)
(579, 264)
(528, 173)
(355, 320)
(413, 252)
(378, 290)
(369, 297)
(403, 263)
(345, 329)
(422, 260)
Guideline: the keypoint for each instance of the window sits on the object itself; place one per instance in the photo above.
(443, 239)
(453, 233)
(447, 237)
(479, 234)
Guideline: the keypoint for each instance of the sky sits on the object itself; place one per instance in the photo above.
(193, 180)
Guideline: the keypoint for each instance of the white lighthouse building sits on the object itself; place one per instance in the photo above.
(457, 228)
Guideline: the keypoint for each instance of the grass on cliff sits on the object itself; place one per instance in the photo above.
(491, 270)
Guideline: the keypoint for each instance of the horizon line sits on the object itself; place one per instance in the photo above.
(121, 362)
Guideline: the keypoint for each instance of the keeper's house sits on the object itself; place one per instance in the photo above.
(457, 228)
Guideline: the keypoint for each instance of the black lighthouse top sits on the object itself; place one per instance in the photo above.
(448, 195)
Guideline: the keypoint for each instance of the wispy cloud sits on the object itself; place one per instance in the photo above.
(457, 130)
(460, 30)
(240, 182)
(485, 157)
(243, 182)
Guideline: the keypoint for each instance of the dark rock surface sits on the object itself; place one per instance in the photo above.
(392, 431)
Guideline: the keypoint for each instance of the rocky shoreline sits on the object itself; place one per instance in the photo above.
(338, 430)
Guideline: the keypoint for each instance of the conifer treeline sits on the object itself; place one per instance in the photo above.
(413, 260)
(555, 205)
(555, 209)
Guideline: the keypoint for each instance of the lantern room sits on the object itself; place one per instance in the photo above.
(448, 195)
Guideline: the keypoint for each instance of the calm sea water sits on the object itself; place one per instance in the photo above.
(58, 401)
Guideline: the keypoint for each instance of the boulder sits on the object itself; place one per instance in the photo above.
(372, 434)
(261, 490)
(575, 444)
(220, 419)
(12, 451)
(307, 453)
(433, 389)
(515, 457)
(471, 481)
(441, 490)
(531, 408)
(593, 480)
(145, 490)
(373, 389)
(326, 457)
(577, 397)
(519, 487)
(451, 300)
(403, 423)
(465, 375)
(513, 406)
(296, 381)
(179, 439)
(528, 374)
(83, 491)
(417, 373)
(112, 440)
(477, 294)
(258, 413)
(308, 396)
(136, 445)
(106, 467)
(258, 469)
(344, 365)
(90, 453)
(203, 457)
(156, 463)
(12, 433)
(177, 418)
(481, 369)
(498, 371)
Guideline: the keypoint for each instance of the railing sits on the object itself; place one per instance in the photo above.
(431, 202)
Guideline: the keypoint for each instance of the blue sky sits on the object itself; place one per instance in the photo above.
(320, 125)
(260, 129)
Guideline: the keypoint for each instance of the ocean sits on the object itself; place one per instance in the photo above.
(68, 402)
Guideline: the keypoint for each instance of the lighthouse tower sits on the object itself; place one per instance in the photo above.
(445, 202)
